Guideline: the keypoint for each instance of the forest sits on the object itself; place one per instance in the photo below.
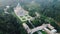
(49, 11)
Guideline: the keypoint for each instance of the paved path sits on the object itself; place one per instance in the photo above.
(34, 29)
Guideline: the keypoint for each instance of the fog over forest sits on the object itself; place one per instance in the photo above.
(10, 23)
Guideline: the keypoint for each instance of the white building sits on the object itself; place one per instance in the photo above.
(21, 13)
(5, 9)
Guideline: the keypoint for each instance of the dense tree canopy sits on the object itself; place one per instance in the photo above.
(9, 24)
(48, 9)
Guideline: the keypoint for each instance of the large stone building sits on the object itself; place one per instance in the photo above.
(21, 13)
